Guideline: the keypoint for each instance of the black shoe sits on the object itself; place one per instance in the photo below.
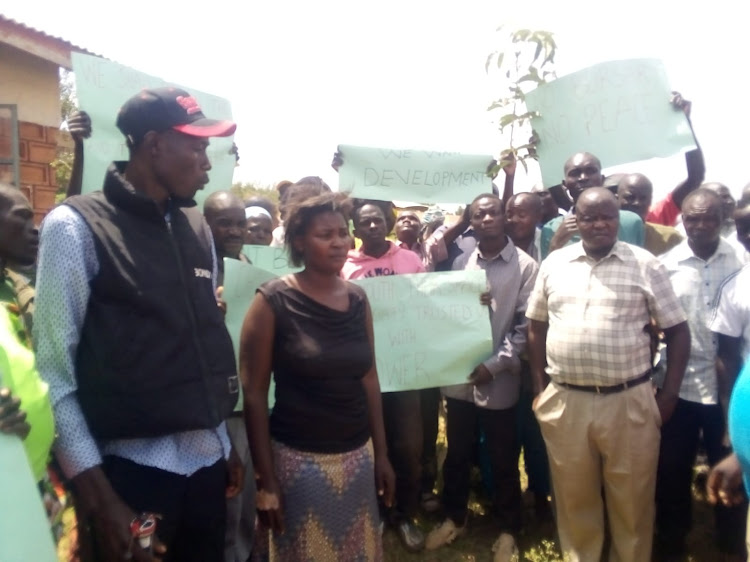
(429, 502)
(411, 536)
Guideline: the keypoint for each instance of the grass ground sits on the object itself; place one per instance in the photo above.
(536, 543)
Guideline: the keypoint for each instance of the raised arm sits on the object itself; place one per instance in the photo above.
(696, 167)
(79, 126)
(508, 161)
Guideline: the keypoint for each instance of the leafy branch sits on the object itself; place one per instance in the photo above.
(526, 62)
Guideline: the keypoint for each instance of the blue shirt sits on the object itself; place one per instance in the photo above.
(739, 421)
(67, 264)
(631, 230)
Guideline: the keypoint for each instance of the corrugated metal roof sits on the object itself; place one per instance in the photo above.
(50, 47)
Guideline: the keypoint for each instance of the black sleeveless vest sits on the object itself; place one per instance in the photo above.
(154, 357)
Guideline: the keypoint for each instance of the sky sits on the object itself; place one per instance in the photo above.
(305, 76)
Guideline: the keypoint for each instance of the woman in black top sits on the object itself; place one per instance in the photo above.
(323, 455)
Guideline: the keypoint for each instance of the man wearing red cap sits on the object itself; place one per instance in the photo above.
(130, 339)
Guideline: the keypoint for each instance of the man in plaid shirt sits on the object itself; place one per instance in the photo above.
(590, 316)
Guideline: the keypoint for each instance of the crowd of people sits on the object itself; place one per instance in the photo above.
(619, 329)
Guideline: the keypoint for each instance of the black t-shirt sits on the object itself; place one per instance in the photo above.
(319, 358)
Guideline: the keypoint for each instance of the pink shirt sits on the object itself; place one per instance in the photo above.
(395, 261)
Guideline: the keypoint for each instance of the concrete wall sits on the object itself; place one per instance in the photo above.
(32, 84)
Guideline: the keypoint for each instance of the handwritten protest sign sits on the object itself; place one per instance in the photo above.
(102, 86)
(24, 529)
(617, 110)
(430, 329)
(241, 280)
(413, 175)
(275, 260)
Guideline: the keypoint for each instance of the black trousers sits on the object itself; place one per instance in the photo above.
(679, 446)
(429, 399)
(499, 427)
(193, 508)
(402, 417)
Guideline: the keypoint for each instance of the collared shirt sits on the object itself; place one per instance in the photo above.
(510, 276)
(445, 255)
(425, 252)
(277, 236)
(659, 239)
(534, 251)
(696, 283)
(732, 315)
(630, 230)
(597, 312)
(67, 264)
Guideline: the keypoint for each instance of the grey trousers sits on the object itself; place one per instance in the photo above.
(241, 508)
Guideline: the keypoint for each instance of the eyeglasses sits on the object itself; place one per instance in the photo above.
(589, 220)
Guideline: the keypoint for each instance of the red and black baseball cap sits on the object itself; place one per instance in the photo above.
(160, 109)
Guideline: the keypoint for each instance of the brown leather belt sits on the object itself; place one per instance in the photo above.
(645, 377)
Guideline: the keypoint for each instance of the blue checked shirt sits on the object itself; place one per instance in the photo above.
(67, 264)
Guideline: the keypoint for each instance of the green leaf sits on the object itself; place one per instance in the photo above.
(504, 102)
(489, 60)
(500, 57)
(506, 120)
(538, 50)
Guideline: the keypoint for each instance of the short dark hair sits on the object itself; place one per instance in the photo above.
(386, 206)
(704, 192)
(8, 193)
(309, 186)
(300, 213)
(488, 196)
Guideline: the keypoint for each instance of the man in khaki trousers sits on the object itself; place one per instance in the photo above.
(590, 316)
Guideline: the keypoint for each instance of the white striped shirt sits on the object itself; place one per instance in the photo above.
(696, 283)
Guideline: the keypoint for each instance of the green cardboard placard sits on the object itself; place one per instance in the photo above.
(430, 328)
(423, 176)
(275, 260)
(618, 110)
(241, 280)
(24, 530)
(103, 86)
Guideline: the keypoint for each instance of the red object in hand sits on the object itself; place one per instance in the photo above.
(142, 528)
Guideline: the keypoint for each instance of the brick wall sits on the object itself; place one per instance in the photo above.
(37, 148)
